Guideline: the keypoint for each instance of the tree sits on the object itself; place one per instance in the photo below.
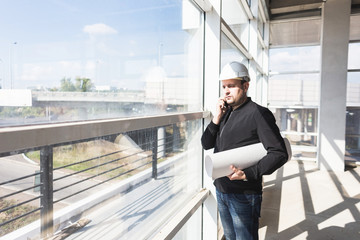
(83, 84)
(67, 85)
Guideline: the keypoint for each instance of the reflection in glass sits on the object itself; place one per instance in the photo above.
(294, 89)
(229, 52)
(354, 56)
(353, 89)
(151, 174)
(352, 138)
(299, 125)
(235, 16)
(298, 59)
(97, 60)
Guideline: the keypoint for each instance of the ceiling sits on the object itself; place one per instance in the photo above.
(286, 9)
(298, 22)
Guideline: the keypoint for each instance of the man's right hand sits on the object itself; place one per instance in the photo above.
(221, 108)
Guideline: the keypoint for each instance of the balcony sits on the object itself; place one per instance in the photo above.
(150, 164)
(156, 192)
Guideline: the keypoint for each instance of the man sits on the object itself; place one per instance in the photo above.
(237, 122)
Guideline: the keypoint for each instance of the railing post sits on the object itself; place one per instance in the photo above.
(176, 138)
(155, 153)
(46, 201)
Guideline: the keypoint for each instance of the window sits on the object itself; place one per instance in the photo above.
(294, 89)
(260, 53)
(78, 60)
(260, 25)
(353, 89)
(354, 56)
(75, 60)
(294, 94)
(298, 59)
(352, 138)
(229, 52)
(235, 16)
(299, 126)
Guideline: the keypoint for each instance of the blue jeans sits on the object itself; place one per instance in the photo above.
(239, 215)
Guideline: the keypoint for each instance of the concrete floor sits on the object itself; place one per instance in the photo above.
(302, 202)
(299, 202)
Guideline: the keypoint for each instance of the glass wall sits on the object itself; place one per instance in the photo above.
(352, 139)
(293, 96)
(73, 61)
(79, 60)
(229, 52)
(235, 16)
(63, 61)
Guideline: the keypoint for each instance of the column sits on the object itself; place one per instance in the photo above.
(332, 111)
(211, 94)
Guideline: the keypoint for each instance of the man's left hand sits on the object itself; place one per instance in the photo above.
(237, 174)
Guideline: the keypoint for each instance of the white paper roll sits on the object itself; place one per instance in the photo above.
(218, 164)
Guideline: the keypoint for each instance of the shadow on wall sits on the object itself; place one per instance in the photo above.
(302, 202)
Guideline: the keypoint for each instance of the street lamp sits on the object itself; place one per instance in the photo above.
(2, 72)
(11, 63)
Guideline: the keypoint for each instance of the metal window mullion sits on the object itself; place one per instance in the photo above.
(170, 229)
(247, 9)
(204, 5)
(261, 40)
(264, 14)
(235, 40)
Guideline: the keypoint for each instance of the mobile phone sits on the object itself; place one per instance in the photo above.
(226, 104)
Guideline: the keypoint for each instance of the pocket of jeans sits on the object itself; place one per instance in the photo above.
(253, 201)
(257, 205)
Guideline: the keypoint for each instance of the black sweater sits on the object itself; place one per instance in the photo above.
(248, 124)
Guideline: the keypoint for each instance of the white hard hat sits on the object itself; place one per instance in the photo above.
(234, 70)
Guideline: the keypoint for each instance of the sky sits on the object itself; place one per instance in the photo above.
(111, 42)
(307, 58)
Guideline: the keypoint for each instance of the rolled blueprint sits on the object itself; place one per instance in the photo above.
(218, 164)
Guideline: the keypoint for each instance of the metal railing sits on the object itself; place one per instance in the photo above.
(117, 163)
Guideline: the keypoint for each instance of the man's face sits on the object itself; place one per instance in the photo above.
(234, 91)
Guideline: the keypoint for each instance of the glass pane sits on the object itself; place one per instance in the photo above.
(354, 56)
(294, 89)
(261, 26)
(191, 229)
(259, 91)
(297, 59)
(122, 166)
(229, 52)
(235, 16)
(80, 60)
(352, 139)
(353, 89)
(300, 127)
(260, 53)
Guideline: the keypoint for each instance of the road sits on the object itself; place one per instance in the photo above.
(133, 215)
(16, 166)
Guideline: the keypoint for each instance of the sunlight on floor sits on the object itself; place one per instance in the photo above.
(302, 202)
